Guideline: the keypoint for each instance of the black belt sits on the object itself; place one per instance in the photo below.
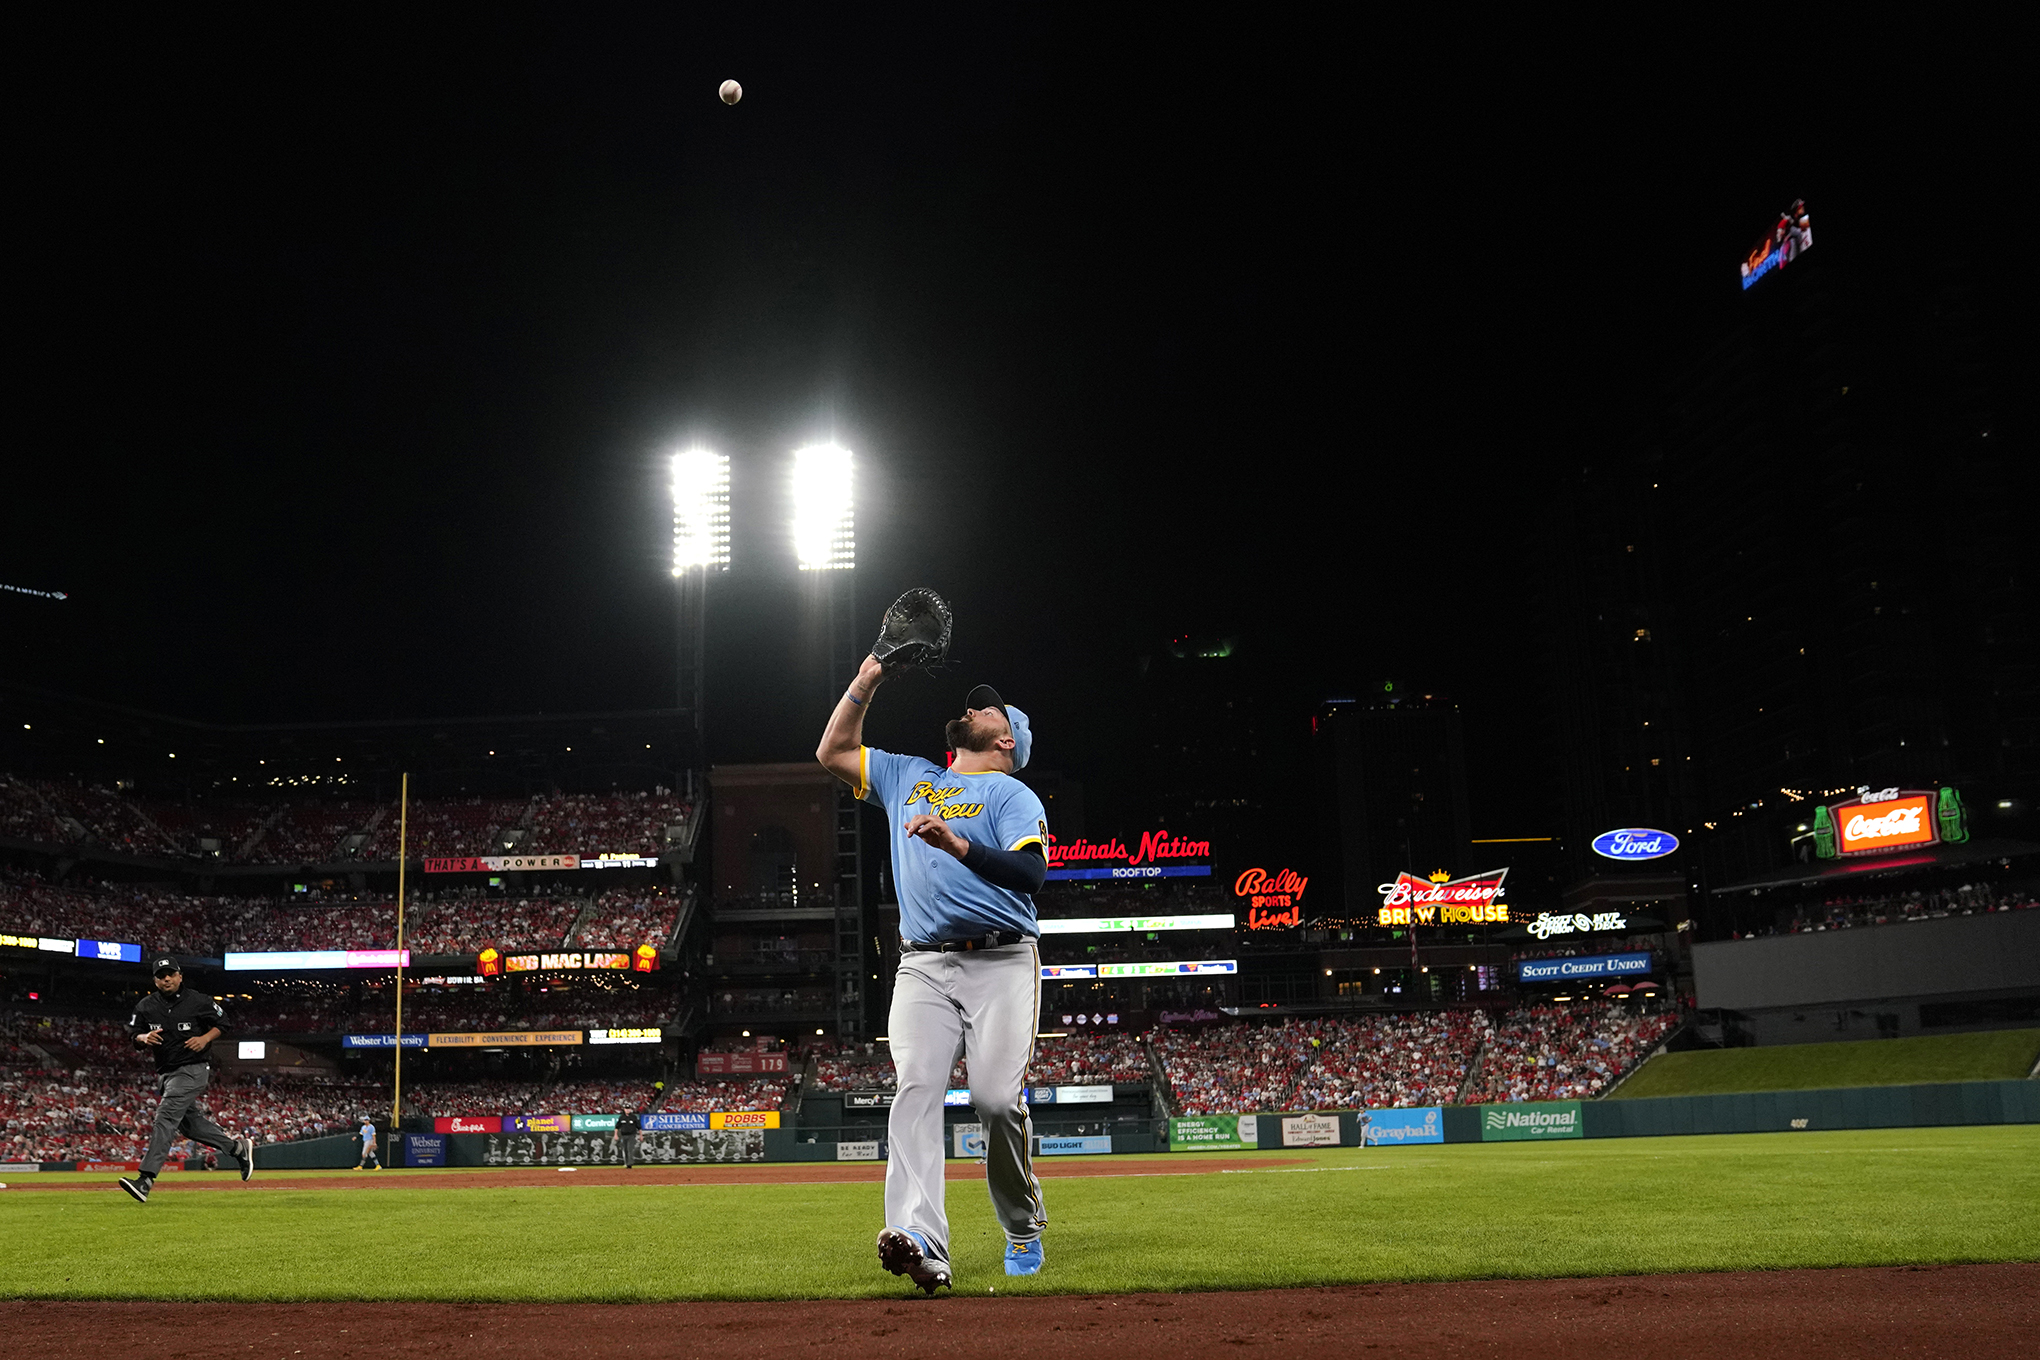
(993, 940)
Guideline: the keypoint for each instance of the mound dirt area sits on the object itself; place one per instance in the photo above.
(752, 1173)
(1806, 1314)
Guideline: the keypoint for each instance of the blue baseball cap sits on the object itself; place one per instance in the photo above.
(984, 696)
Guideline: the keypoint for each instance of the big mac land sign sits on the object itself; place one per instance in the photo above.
(1444, 901)
(1877, 821)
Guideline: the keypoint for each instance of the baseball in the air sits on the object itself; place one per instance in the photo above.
(731, 92)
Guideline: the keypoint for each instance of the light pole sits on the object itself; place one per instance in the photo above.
(701, 545)
(825, 545)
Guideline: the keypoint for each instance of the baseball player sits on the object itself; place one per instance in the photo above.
(178, 1028)
(369, 1161)
(969, 850)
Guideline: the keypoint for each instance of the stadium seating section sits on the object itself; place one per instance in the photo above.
(297, 827)
(454, 922)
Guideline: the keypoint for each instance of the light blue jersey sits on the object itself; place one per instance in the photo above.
(939, 898)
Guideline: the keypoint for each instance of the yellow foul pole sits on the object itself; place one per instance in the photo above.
(403, 826)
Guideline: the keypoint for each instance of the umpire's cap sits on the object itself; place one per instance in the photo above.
(984, 696)
(165, 964)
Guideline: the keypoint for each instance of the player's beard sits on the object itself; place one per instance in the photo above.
(963, 734)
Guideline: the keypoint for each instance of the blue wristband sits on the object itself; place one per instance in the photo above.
(852, 697)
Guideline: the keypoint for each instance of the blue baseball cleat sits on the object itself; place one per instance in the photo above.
(1023, 1258)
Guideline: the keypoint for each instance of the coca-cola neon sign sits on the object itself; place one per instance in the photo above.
(1154, 845)
(1439, 901)
(1274, 901)
(1878, 820)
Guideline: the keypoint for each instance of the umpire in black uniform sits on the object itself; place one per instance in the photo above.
(178, 1027)
(627, 1126)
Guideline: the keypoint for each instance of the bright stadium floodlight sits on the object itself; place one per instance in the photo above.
(701, 510)
(824, 529)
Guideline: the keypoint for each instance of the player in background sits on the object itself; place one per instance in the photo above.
(969, 850)
(177, 1028)
(369, 1161)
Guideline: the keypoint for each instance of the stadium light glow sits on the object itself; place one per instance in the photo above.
(824, 529)
(701, 510)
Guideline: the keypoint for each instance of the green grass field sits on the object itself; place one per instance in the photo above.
(1613, 1206)
(1996, 1055)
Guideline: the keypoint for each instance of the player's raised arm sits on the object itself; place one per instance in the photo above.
(843, 738)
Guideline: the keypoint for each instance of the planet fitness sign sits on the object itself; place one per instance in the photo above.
(1635, 843)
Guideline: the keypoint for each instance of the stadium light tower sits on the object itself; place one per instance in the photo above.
(701, 545)
(825, 545)
(824, 518)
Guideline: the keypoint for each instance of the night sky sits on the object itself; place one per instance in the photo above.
(346, 357)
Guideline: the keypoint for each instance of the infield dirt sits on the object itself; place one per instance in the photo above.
(1991, 1310)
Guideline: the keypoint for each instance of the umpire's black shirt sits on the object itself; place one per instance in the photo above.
(182, 1016)
(626, 1123)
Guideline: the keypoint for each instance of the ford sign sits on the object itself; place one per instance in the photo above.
(1635, 842)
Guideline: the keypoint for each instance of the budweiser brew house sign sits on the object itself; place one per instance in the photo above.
(1879, 821)
(1443, 901)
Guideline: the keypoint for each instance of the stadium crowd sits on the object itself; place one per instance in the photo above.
(1851, 912)
(278, 826)
(455, 921)
(624, 918)
(1569, 1051)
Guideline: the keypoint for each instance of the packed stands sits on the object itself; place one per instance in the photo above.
(860, 1067)
(66, 814)
(312, 1010)
(1093, 1059)
(1565, 1051)
(614, 823)
(602, 1095)
(450, 828)
(150, 917)
(308, 832)
(708, 1094)
(624, 918)
(310, 922)
(279, 826)
(1851, 911)
(1332, 1062)
(467, 924)
(481, 1096)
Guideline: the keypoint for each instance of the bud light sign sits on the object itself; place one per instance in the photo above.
(1635, 842)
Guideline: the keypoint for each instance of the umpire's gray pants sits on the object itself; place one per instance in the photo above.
(983, 1005)
(179, 1116)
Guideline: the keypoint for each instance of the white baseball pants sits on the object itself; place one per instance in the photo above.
(983, 1005)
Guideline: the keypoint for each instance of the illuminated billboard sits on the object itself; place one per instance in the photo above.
(1444, 901)
(1274, 901)
(1111, 857)
(1635, 843)
(1058, 972)
(1877, 821)
(1790, 237)
(1091, 925)
(306, 959)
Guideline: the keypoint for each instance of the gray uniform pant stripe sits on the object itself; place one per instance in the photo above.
(983, 1005)
(179, 1116)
